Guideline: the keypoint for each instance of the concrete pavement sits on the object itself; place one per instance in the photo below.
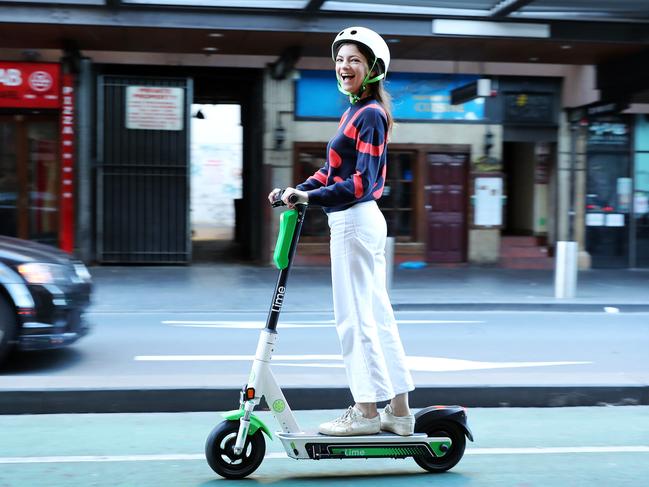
(220, 287)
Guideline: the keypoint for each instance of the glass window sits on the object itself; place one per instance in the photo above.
(43, 181)
(29, 178)
(396, 202)
(641, 209)
(8, 179)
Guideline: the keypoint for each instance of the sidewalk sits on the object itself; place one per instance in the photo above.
(219, 287)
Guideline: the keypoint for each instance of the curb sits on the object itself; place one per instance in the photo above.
(546, 307)
(206, 399)
(549, 307)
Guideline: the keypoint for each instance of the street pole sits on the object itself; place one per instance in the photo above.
(565, 264)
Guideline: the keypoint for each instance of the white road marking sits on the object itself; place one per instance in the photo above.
(248, 325)
(227, 358)
(417, 364)
(175, 457)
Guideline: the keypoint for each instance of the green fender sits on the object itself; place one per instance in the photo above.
(255, 422)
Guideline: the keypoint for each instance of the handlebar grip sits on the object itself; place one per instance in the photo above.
(278, 201)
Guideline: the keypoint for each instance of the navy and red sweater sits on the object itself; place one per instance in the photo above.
(356, 160)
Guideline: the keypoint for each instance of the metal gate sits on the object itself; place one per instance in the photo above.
(142, 173)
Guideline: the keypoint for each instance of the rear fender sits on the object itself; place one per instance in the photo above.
(456, 414)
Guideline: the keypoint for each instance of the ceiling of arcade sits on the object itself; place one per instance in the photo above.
(527, 31)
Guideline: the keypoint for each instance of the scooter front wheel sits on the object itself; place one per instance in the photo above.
(449, 429)
(219, 451)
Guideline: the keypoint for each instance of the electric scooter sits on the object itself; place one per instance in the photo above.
(235, 448)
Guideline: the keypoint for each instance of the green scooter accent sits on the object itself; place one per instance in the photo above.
(287, 223)
(436, 447)
(255, 422)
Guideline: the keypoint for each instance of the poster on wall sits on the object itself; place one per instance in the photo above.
(154, 108)
(488, 202)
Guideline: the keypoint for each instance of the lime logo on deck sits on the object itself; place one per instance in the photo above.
(279, 406)
(352, 452)
(377, 451)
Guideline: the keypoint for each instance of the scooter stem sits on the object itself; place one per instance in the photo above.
(290, 228)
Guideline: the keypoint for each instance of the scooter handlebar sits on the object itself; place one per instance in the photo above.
(278, 200)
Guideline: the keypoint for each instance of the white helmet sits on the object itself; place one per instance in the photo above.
(369, 39)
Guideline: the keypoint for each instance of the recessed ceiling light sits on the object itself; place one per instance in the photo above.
(215, 34)
(393, 41)
(534, 58)
(566, 46)
(210, 49)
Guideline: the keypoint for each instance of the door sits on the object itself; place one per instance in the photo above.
(29, 177)
(445, 203)
(143, 170)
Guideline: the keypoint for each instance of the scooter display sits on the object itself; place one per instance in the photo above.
(235, 447)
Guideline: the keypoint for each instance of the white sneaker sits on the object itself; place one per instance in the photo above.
(351, 423)
(401, 425)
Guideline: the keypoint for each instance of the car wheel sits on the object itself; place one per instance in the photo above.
(7, 327)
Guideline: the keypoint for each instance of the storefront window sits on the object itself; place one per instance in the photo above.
(396, 202)
(42, 180)
(641, 193)
(609, 190)
(29, 178)
(8, 179)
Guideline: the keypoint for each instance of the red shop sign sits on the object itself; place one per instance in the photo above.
(66, 228)
(30, 85)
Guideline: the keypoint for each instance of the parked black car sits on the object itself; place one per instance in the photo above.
(43, 295)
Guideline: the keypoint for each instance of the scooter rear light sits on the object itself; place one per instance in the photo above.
(250, 393)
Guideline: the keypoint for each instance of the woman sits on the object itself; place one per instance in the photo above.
(347, 187)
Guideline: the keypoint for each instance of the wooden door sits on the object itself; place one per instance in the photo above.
(445, 203)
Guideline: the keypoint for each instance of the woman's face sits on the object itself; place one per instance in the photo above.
(351, 67)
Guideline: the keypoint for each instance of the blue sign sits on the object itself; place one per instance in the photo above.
(415, 96)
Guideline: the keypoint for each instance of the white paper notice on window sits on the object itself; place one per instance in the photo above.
(154, 108)
(595, 219)
(488, 201)
(615, 220)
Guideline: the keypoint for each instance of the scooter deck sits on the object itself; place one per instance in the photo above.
(315, 446)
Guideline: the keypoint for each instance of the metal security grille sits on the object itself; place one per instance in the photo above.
(142, 180)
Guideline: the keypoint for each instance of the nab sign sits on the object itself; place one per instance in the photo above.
(30, 85)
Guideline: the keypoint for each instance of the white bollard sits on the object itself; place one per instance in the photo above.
(389, 262)
(565, 270)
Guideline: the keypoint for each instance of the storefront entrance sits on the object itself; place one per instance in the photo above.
(29, 177)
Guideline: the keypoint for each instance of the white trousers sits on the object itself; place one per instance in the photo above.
(371, 347)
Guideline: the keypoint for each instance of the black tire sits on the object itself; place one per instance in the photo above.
(221, 458)
(7, 327)
(454, 454)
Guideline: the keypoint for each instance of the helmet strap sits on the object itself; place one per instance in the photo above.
(355, 97)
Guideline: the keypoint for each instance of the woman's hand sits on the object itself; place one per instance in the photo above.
(302, 197)
(272, 196)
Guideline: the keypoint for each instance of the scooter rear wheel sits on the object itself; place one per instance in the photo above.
(452, 455)
(219, 451)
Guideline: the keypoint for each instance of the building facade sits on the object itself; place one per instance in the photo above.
(96, 147)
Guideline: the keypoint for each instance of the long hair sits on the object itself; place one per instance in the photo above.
(377, 90)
